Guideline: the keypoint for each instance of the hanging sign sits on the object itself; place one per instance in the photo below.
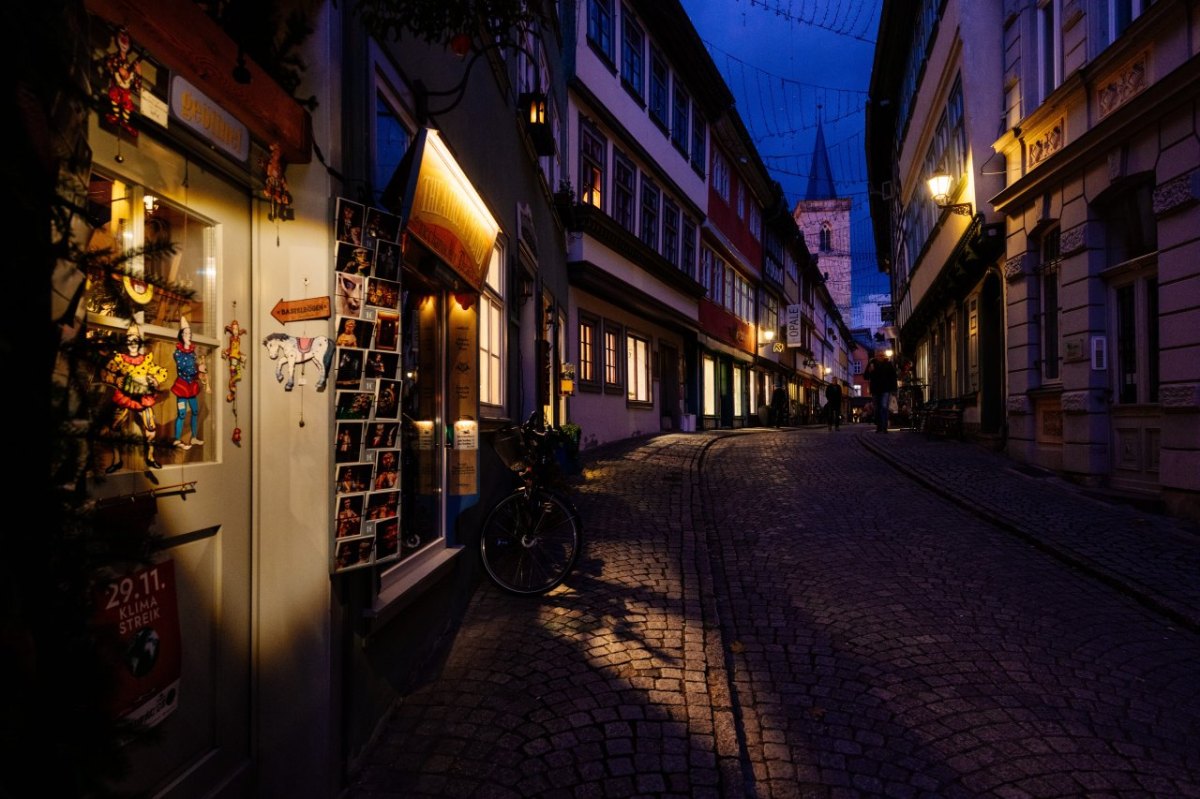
(299, 310)
(208, 120)
(794, 331)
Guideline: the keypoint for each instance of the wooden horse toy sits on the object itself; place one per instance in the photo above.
(292, 350)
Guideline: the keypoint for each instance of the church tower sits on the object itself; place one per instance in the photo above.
(825, 220)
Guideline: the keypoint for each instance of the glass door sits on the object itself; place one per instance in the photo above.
(423, 423)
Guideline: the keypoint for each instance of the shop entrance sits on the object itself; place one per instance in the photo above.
(177, 415)
(423, 436)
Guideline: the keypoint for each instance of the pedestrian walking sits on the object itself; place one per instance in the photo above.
(779, 405)
(882, 380)
(833, 406)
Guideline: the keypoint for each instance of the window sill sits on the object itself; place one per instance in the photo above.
(425, 569)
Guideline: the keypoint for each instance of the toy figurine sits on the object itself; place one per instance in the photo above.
(124, 81)
(135, 379)
(189, 376)
(233, 354)
(275, 186)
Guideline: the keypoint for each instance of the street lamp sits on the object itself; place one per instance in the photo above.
(939, 188)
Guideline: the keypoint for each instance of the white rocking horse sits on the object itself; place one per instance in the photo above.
(291, 350)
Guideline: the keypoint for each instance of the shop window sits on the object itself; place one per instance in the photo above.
(612, 357)
(710, 385)
(491, 337)
(589, 352)
(637, 368)
(150, 304)
(739, 390)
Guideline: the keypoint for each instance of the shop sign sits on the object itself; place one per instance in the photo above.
(139, 614)
(208, 120)
(794, 335)
(441, 208)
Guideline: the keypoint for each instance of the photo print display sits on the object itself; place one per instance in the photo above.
(354, 332)
(383, 504)
(353, 554)
(387, 399)
(349, 368)
(353, 259)
(381, 364)
(349, 442)
(382, 435)
(350, 515)
(381, 226)
(387, 260)
(387, 330)
(348, 293)
(349, 225)
(383, 293)
(387, 469)
(387, 539)
(353, 477)
(354, 404)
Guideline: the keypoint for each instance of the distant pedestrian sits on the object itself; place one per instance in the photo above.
(833, 406)
(779, 406)
(881, 377)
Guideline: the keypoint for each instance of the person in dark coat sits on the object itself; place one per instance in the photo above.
(779, 406)
(833, 406)
(882, 379)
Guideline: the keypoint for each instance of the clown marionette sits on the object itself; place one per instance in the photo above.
(190, 372)
(135, 378)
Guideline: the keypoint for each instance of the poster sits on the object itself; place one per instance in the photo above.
(139, 613)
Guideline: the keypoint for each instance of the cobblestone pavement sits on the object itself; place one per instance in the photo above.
(770, 613)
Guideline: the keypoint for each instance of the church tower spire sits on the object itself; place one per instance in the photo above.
(820, 176)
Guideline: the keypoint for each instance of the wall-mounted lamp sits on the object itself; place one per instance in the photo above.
(939, 188)
(533, 110)
(828, 370)
(889, 352)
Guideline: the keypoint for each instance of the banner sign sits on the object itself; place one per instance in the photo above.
(794, 329)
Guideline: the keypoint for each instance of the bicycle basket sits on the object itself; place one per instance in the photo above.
(512, 449)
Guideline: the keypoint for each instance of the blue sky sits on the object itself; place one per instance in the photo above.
(789, 62)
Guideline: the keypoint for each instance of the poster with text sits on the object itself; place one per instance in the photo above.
(139, 614)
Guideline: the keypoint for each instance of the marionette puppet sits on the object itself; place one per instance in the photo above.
(135, 379)
(190, 375)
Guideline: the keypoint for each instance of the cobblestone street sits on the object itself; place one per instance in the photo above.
(770, 613)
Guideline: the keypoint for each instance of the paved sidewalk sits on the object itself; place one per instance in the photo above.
(1152, 558)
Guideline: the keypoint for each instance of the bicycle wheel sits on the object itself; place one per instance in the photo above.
(530, 542)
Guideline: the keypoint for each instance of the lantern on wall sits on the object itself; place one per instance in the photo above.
(533, 111)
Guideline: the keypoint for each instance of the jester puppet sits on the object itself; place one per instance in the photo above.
(135, 379)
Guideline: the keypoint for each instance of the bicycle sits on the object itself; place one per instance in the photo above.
(532, 538)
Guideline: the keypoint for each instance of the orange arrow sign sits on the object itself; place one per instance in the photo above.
(298, 310)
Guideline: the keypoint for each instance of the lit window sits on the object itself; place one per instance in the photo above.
(637, 367)
(587, 350)
(491, 334)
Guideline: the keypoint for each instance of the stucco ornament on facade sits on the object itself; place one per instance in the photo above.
(1177, 193)
(1016, 267)
(1180, 396)
(1128, 81)
(1072, 240)
(1047, 144)
(1078, 401)
(1018, 405)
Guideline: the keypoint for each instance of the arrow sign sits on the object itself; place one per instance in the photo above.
(298, 310)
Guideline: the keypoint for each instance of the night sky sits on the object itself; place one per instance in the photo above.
(790, 63)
